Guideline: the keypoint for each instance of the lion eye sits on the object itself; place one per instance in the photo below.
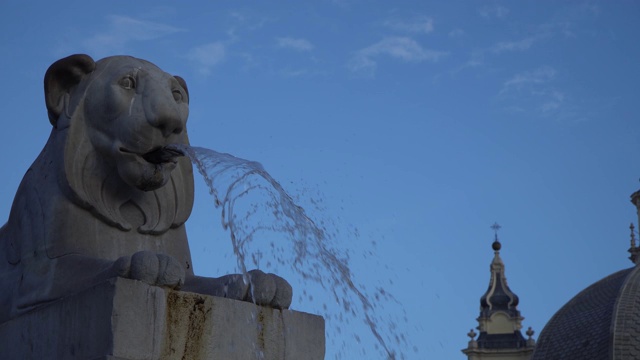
(128, 82)
(177, 95)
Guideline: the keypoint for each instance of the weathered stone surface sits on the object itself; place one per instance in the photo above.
(128, 319)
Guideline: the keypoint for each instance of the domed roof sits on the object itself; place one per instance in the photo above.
(602, 322)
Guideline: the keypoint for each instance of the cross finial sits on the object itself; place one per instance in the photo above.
(495, 228)
(530, 332)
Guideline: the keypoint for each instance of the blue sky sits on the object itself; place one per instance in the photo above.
(418, 124)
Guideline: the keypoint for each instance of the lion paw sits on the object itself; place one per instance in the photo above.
(269, 289)
(151, 268)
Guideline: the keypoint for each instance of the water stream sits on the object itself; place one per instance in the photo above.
(270, 231)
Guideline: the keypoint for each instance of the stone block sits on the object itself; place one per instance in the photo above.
(124, 319)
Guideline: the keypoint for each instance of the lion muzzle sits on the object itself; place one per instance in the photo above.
(163, 155)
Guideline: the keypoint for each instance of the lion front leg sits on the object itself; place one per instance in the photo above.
(260, 288)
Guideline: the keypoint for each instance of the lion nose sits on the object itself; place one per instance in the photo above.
(170, 125)
(164, 113)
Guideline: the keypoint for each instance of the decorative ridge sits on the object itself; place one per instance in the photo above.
(633, 249)
(626, 316)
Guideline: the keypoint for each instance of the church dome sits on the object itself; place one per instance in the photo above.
(601, 322)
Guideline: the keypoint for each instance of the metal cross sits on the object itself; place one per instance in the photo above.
(495, 228)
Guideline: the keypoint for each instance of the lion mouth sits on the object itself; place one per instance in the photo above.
(162, 155)
(159, 155)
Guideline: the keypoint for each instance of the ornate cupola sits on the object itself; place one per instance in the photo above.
(499, 322)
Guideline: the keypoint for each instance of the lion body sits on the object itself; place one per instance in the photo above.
(106, 196)
(75, 209)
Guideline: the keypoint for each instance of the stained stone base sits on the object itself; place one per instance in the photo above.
(128, 320)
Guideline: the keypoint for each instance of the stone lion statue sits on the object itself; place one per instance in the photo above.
(106, 197)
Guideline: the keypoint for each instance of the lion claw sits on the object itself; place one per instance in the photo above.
(269, 289)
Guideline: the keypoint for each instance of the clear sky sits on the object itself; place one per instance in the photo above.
(417, 123)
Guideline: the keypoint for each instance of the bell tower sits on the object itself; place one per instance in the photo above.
(500, 321)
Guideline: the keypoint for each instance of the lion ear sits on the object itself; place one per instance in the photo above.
(183, 84)
(60, 78)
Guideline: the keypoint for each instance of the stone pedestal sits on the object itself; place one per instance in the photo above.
(130, 320)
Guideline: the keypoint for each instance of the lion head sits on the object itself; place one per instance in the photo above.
(112, 122)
